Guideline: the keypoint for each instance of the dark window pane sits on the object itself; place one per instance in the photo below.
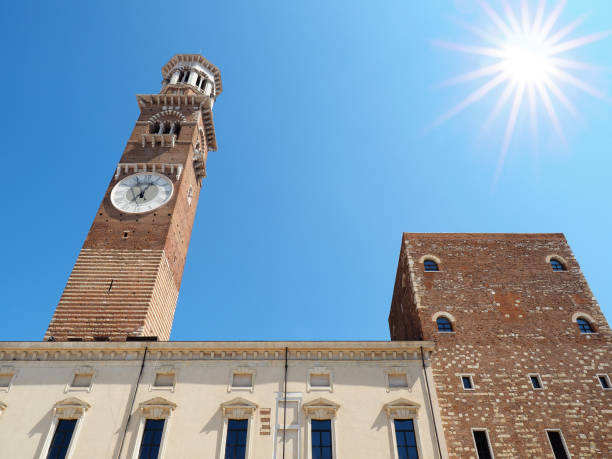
(61, 439)
(151, 439)
(444, 324)
(604, 382)
(235, 442)
(430, 265)
(584, 326)
(321, 439)
(467, 382)
(557, 445)
(405, 438)
(482, 444)
(557, 265)
(535, 382)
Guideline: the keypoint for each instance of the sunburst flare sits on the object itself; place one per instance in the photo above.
(527, 61)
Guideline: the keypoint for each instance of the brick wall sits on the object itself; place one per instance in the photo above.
(512, 317)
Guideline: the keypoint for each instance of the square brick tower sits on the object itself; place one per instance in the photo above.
(126, 279)
(523, 352)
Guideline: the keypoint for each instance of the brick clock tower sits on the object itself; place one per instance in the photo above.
(125, 282)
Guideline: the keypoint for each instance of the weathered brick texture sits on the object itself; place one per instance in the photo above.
(513, 316)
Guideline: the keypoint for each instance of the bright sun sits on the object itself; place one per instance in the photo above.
(526, 58)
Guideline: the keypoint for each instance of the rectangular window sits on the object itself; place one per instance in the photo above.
(398, 380)
(467, 382)
(61, 439)
(81, 380)
(483, 449)
(151, 439)
(556, 443)
(604, 381)
(164, 380)
(242, 380)
(321, 439)
(406, 439)
(319, 380)
(536, 383)
(235, 443)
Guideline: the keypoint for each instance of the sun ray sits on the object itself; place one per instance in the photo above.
(516, 106)
(552, 18)
(478, 73)
(550, 110)
(481, 50)
(525, 16)
(479, 33)
(550, 84)
(501, 102)
(578, 42)
(565, 30)
(503, 27)
(469, 100)
(533, 112)
(577, 83)
(574, 64)
(537, 20)
(514, 24)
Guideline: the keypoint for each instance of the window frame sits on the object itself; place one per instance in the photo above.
(450, 323)
(241, 371)
(562, 442)
(435, 264)
(167, 369)
(559, 259)
(238, 409)
(396, 371)
(8, 370)
(403, 409)
(486, 431)
(470, 377)
(588, 322)
(319, 371)
(539, 379)
(84, 370)
(69, 409)
(606, 377)
(156, 408)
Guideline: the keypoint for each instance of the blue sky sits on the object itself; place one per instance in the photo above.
(325, 156)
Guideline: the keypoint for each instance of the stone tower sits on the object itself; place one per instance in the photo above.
(522, 350)
(125, 282)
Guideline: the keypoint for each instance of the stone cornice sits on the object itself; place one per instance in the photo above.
(364, 351)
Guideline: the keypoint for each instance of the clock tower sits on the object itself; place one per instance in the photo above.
(125, 282)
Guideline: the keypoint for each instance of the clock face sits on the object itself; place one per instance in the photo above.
(141, 192)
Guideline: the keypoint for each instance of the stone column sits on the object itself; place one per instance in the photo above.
(175, 77)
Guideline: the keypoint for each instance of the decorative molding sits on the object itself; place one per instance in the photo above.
(166, 114)
(438, 314)
(401, 408)
(193, 60)
(319, 371)
(91, 351)
(321, 408)
(575, 318)
(558, 258)
(70, 408)
(429, 257)
(157, 408)
(238, 408)
(168, 169)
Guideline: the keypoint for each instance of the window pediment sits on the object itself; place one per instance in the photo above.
(321, 408)
(238, 408)
(70, 408)
(157, 408)
(402, 409)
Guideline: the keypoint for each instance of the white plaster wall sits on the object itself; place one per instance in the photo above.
(195, 426)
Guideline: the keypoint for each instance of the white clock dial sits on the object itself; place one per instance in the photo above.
(141, 192)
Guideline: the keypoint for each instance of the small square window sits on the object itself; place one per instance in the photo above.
(319, 380)
(166, 380)
(398, 380)
(536, 382)
(466, 381)
(604, 380)
(242, 380)
(81, 381)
